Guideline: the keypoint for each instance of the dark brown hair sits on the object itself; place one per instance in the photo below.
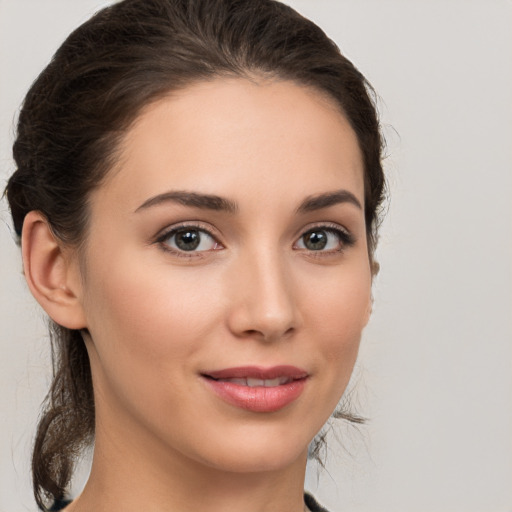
(77, 111)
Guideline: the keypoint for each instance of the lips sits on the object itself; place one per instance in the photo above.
(257, 389)
(253, 382)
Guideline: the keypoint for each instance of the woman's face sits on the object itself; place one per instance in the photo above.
(226, 278)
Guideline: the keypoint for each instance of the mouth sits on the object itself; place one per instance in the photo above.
(253, 382)
(257, 389)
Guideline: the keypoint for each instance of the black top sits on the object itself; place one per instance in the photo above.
(59, 505)
(310, 502)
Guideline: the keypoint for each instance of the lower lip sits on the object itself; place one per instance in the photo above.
(258, 398)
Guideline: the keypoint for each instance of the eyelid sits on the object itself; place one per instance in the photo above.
(332, 226)
(172, 229)
(347, 239)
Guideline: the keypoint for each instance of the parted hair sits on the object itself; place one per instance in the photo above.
(77, 111)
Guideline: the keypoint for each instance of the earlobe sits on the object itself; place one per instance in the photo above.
(51, 272)
(369, 311)
(374, 269)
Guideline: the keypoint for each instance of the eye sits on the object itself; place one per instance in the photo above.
(325, 239)
(188, 239)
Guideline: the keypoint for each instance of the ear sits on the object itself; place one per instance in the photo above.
(52, 272)
(374, 269)
(369, 310)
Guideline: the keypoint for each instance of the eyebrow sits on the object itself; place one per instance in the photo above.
(193, 199)
(320, 201)
(217, 203)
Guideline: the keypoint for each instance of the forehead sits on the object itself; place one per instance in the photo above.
(224, 135)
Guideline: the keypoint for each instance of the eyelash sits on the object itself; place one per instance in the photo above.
(182, 227)
(346, 239)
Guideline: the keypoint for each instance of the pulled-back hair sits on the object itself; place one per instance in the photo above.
(77, 111)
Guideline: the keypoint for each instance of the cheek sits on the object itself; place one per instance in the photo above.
(148, 324)
(339, 303)
(137, 300)
(337, 314)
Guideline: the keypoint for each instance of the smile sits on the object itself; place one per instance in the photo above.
(254, 382)
(257, 389)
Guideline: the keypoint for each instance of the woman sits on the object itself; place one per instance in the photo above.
(197, 193)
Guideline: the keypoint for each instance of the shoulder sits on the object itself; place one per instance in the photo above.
(312, 504)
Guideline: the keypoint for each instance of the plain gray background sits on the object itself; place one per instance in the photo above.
(435, 370)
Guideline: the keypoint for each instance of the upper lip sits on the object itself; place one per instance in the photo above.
(258, 372)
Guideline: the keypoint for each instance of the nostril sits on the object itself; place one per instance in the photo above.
(271, 334)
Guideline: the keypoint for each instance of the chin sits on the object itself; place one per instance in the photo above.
(259, 452)
(261, 462)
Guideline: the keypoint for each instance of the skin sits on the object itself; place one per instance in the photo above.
(253, 294)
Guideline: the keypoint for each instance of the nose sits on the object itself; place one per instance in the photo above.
(264, 301)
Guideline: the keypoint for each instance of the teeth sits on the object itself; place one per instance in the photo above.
(253, 382)
(270, 383)
(242, 382)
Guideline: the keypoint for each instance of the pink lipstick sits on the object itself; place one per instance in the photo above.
(257, 389)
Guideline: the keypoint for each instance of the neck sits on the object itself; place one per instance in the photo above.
(139, 473)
